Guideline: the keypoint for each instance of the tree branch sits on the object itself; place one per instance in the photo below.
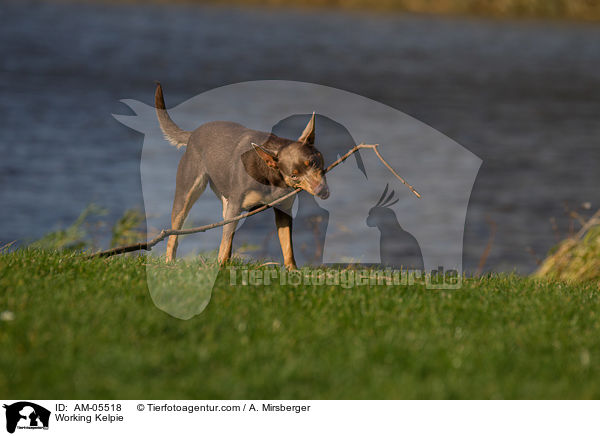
(166, 233)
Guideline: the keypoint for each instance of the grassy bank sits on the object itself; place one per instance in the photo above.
(554, 9)
(74, 328)
(587, 10)
(577, 257)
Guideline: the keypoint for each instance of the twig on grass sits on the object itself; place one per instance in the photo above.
(591, 222)
(488, 247)
(165, 233)
(7, 246)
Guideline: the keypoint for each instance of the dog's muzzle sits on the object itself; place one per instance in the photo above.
(322, 190)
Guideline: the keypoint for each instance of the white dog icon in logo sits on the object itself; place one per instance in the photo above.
(26, 415)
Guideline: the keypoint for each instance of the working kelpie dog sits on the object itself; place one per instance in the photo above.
(245, 169)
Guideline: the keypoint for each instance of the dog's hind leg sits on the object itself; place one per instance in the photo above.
(187, 191)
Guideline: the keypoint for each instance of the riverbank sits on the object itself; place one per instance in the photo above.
(580, 10)
(89, 329)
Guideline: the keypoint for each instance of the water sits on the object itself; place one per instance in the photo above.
(523, 96)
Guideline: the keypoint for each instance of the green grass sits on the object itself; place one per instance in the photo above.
(89, 329)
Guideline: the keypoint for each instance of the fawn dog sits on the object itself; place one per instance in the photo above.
(245, 168)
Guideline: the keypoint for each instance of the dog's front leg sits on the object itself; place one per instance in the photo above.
(284, 231)
(229, 211)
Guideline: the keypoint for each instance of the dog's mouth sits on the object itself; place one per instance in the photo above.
(317, 187)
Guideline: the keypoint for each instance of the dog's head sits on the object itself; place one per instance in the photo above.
(299, 162)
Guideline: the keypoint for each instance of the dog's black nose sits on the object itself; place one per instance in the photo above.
(323, 191)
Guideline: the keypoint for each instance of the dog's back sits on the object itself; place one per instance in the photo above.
(223, 151)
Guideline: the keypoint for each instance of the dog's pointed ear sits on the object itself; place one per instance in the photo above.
(308, 135)
(268, 156)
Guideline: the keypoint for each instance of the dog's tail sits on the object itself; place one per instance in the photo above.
(173, 133)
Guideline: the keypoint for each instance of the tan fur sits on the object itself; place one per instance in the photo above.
(251, 199)
(284, 231)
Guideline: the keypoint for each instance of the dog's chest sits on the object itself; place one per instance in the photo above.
(254, 198)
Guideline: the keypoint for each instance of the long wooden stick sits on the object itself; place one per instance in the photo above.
(165, 233)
